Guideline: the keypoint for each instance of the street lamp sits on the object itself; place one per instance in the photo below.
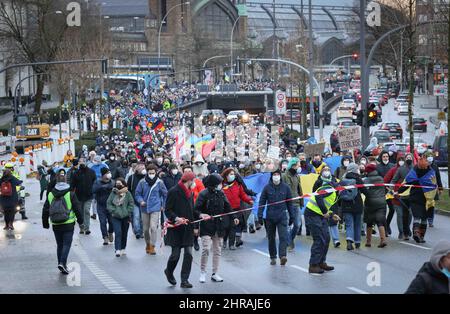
(160, 28)
(231, 46)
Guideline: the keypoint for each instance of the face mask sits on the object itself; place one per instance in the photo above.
(129, 150)
(446, 272)
(363, 162)
(276, 180)
(288, 158)
(174, 172)
(219, 187)
(257, 166)
(108, 176)
(159, 161)
(346, 163)
(299, 171)
(241, 166)
(112, 158)
(231, 178)
(385, 162)
(401, 163)
(144, 172)
(391, 153)
(326, 174)
(409, 162)
(283, 166)
(151, 176)
(430, 159)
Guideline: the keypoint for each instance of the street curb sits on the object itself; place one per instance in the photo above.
(442, 212)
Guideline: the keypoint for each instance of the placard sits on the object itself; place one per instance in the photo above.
(313, 149)
(349, 138)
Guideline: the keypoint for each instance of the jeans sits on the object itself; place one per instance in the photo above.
(399, 211)
(187, 261)
(63, 244)
(334, 231)
(94, 207)
(390, 214)
(292, 233)
(86, 210)
(272, 227)
(318, 226)
(105, 219)
(150, 224)
(216, 243)
(137, 221)
(430, 215)
(353, 227)
(121, 226)
(407, 217)
(251, 219)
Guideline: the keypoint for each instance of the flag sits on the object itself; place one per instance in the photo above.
(158, 125)
(257, 182)
(333, 162)
(179, 149)
(208, 148)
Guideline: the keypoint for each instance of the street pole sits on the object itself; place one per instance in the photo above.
(310, 64)
(365, 128)
(231, 49)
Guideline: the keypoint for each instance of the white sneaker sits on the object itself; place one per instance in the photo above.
(123, 252)
(202, 277)
(117, 253)
(216, 278)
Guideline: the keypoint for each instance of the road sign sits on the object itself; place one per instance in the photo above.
(440, 90)
(280, 103)
(349, 138)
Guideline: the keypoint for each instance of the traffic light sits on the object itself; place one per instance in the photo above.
(355, 56)
(372, 117)
(359, 118)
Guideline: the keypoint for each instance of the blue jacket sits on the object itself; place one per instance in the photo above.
(154, 197)
(276, 193)
(309, 169)
(102, 190)
(98, 168)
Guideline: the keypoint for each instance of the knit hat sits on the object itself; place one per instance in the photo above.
(352, 167)
(188, 176)
(213, 180)
(293, 161)
(104, 171)
(370, 168)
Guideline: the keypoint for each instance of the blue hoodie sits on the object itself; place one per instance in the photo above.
(98, 168)
(154, 197)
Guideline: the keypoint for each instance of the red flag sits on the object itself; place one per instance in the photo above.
(208, 148)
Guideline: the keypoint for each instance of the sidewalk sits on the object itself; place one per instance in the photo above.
(429, 101)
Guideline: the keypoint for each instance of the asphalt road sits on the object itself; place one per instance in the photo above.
(29, 264)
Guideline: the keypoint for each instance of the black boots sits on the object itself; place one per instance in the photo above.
(349, 245)
(196, 245)
(170, 278)
(422, 230)
(416, 232)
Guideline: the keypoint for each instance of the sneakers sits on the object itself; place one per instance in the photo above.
(252, 229)
(105, 241)
(291, 247)
(186, 284)
(63, 269)
(232, 247)
(349, 245)
(202, 277)
(283, 260)
(170, 278)
(152, 250)
(94, 216)
(431, 225)
(357, 245)
(337, 244)
(123, 253)
(239, 243)
(81, 231)
(138, 236)
(24, 217)
(216, 278)
(111, 237)
(118, 253)
(224, 244)
(273, 261)
(196, 245)
(87, 232)
(315, 269)
(325, 267)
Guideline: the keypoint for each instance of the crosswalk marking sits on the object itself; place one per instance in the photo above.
(261, 252)
(415, 245)
(300, 268)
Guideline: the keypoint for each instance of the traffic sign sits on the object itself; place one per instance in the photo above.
(280, 104)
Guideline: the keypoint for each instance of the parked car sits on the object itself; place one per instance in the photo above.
(400, 99)
(418, 124)
(382, 136)
(394, 129)
(440, 149)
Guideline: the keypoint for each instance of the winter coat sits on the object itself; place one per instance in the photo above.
(276, 193)
(113, 165)
(60, 190)
(430, 279)
(383, 169)
(235, 194)
(212, 202)
(42, 175)
(197, 189)
(121, 172)
(307, 169)
(355, 207)
(178, 205)
(82, 183)
(132, 184)
(120, 211)
(170, 180)
(101, 192)
(97, 169)
(293, 181)
(13, 200)
(154, 197)
(319, 168)
(375, 196)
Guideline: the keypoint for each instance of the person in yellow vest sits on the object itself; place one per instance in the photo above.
(62, 208)
(318, 210)
(15, 174)
(317, 163)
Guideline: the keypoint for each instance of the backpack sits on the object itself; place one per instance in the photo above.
(350, 194)
(6, 188)
(59, 211)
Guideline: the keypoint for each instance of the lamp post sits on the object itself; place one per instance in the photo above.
(231, 47)
(159, 32)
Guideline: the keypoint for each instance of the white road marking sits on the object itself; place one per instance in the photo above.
(357, 290)
(300, 268)
(261, 252)
(111, 284)
(415, 245)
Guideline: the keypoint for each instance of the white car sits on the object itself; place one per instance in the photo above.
(238, 114)
(402, 108)
(348, 103)
(400, 99)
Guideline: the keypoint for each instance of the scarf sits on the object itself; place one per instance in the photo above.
(186, 191)
(150, 181)
(429, 180)
(119, 196)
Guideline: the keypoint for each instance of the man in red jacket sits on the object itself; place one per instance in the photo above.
(235, 193)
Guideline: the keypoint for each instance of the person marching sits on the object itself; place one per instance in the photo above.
(211, 202)
(16, 175)
(277, 192)
(63, 209)
(9, 197)
(180, 211)
(102, 189)
(317, 213)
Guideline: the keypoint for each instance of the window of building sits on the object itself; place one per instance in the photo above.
(213, 22)
(422, 39)
(163, 14)
(423, 18)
